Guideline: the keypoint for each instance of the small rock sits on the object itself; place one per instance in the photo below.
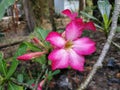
(111, 63)
(64, 82)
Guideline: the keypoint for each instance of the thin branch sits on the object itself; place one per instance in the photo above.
(106, 47)
(11, 44)
(21, 84)
(38, 79)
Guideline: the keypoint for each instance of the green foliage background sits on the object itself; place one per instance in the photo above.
(4, 4)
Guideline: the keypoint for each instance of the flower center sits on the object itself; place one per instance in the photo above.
(68, 44)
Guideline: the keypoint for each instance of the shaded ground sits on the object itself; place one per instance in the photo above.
(107, 78)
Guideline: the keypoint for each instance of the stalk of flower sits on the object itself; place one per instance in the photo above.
(30, 56)
(69, 49)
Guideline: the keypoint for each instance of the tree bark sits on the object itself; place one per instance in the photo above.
(51, 14)
(11, 44)
(40, 10)
(28, 15)
(82, 5)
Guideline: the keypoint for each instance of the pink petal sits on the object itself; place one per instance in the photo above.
(74, 15)
(71, 15)
(90, 26)
(30, 56)
(67, 12)
(41, 84)
(73, 30)
(39, 88)
(55, 39)
(79, 21)
(59, 58)
(76, 61)
(84, 46)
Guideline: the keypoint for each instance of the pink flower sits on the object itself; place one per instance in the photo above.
(69, 48)
(73, 17)
(30, 56)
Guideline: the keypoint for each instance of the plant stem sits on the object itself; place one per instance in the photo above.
(106, 47)
(37, 81)
(21, 84)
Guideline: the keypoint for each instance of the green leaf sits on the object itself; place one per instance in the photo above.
(56, 72)
(109, 22)
(1, 80)
(104, 7)
(98, 26)
(41, 60)
(51, 74)
(3, 67)
(4, 4)
(13, 86)
(1, 87)
(106, 20)
(89, 16)
(41, 33)
(20, 78)
(21, 50)
(10, 87)
(30, 82)
(32, 46)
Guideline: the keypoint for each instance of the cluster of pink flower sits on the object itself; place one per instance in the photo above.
(69, 48)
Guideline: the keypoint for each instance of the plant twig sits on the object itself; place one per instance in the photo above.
(11, 44)
(106, 47)
(21, 84)
(115, 44)
(37, 81)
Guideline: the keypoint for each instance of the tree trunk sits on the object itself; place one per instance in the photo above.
(40, 10)
(28, 15)
(43, 10)
(82, 5)
(51, 14)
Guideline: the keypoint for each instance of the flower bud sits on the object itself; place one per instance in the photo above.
(30, 56)
(36, 40)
